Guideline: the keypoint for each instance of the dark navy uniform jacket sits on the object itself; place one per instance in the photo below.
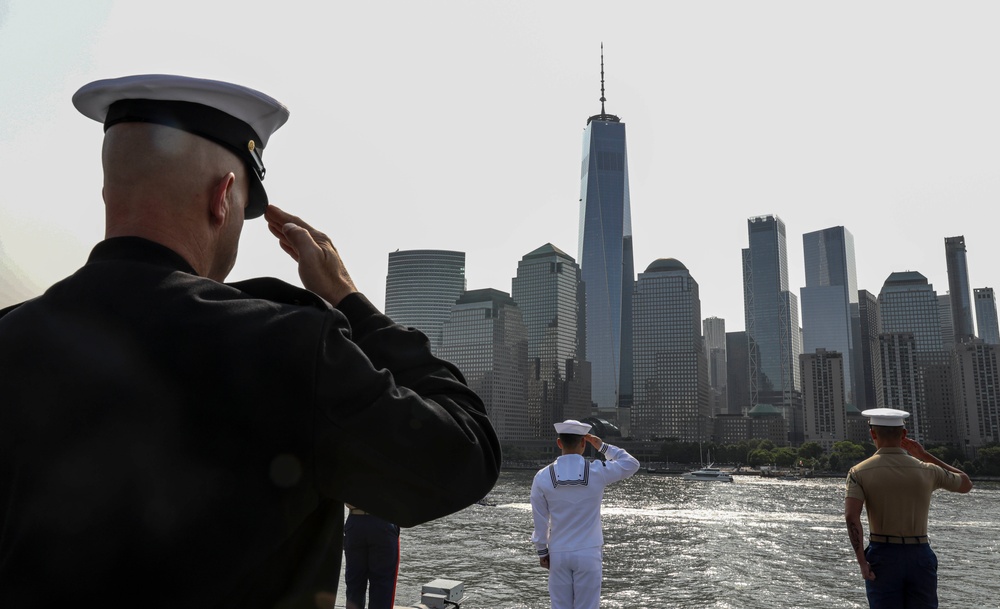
(170, 441)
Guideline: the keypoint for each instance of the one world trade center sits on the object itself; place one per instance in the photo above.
(605, 254)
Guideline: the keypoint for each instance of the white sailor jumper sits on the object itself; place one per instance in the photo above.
(566, 507)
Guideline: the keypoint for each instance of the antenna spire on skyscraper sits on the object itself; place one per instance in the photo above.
(603, 116)
(602, 78)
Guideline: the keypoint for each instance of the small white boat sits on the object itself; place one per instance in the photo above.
(708, 474)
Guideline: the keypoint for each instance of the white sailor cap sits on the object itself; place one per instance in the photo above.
(572, 426)
(886, 417)
(236, 117)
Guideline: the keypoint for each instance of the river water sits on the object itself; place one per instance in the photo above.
(754, 543)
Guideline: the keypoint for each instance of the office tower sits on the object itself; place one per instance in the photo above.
(947, 322)
(823, 404)
(547, 289)
(829, 297)
(485, 338)
(714, 331)
(959, 288)
(868, 372)
(605, 255)
(986, 315)
(772, 323)
(737, 373)
(671, 372)
(421, 287)
(909, 306)
(977, 384)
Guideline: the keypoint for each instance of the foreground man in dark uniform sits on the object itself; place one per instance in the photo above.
(168, 440)
(895, 485)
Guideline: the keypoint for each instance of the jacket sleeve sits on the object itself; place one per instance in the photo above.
(399, 432)
(540, 516)
(619, 465)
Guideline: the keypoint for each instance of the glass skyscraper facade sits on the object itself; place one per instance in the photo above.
(547, 290)
(772, 322)
(829, 297)
(986, 315)
(959, 288)
(605, 255)
(671, 370)
(421, 287)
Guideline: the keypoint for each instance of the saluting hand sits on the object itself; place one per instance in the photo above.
(913, 447)
(320, 267)
(593, 441)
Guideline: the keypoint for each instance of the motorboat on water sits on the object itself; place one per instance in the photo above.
(708, 473)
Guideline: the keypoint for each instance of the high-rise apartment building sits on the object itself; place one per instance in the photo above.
(772, 323)
(959, 288)
(823, 404)
(421, 287)
(829, 298)
(868, 372)
(605, 256)
(671, 371)
(485, 338)
(547, 290)
(909, 306)
(986, 315)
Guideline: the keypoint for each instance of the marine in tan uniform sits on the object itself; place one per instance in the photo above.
(894, 486)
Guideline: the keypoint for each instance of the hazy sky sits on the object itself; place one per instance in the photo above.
(458, 125)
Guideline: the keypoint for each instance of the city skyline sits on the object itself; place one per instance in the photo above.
(883, 125)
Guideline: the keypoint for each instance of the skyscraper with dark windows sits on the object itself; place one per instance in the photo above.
(421, 287)
(868, 372)
(913, 353)
(484, 336)
(959, 288)
(772, 323)
(986, 315)
(547, 290)
(828, 298)
(671, 370)
(605, 256)
(737, 373)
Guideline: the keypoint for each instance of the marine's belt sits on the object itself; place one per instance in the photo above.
(910, 540)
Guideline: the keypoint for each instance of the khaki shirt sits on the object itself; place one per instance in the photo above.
(896, 489)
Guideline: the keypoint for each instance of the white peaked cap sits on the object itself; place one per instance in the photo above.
(886, 417)
(233, 116)
(574, 427)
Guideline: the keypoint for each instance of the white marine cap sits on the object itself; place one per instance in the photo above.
(572, 426)
(233, 116)
(886, 417)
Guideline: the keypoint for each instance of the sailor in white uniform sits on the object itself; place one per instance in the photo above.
(566, 506)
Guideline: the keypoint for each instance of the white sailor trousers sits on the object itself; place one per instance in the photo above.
(575, 579)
